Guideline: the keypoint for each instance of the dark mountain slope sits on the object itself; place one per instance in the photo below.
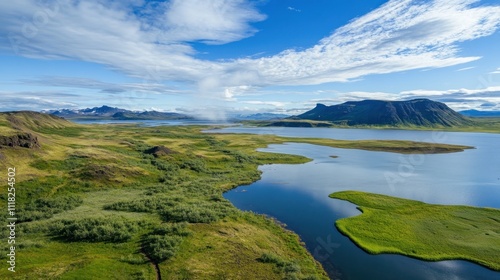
(417, 112)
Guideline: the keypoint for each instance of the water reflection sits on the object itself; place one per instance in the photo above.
(297, 195)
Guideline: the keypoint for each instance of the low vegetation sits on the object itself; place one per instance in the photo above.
(95, 229)
(130, 202)
(425, 231)
(43, 208)
(133, 202)
(163, 242)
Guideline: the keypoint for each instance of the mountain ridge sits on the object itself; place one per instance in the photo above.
(116, 114)
(416, 112)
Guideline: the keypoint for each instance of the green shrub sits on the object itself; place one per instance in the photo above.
(178, 229)
(147, 205)
(162, 243)
(289, 268)
(239, 156)
(196, 212)
(163, 165)
(44, 208)
(189, 213)
(195, 164)
(161, 247)
(111, 229)
(271, 258)
(291, 276)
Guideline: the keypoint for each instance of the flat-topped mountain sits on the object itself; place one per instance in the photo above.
(417, 112)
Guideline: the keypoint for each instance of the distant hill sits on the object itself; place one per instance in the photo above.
(29, 120)
(149, 115)
(417, 112)
(477, 113)
(103, 111)
(107, 112)
(259, 117)
(21, 128)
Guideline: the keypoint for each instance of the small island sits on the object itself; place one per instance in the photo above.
(420, 230)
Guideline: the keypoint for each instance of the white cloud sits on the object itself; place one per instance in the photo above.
(40, 100)
(458, 99)
(151, 41)
(496, 71)
(271, 103)
(400, 35)
(214, 22)
(495, 91)
(465, 69)
(354, 96)
(105, 87)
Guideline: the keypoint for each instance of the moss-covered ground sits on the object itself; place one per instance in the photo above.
(424, 231)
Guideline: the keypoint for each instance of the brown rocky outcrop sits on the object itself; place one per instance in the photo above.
(24, 140)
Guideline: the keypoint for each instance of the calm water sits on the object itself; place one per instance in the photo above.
(151, 122)
(297, 195)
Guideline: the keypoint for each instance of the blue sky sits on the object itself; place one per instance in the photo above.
(223, 56)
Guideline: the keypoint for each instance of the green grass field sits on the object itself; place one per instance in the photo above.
(94, 203)
(424, 231)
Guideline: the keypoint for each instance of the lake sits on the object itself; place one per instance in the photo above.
(152, 122)
(297, 195)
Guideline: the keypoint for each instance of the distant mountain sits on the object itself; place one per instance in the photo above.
(260, 117)
(106, 112)
(477, 113)
(149, 115)
(417, 112)
(103, 111)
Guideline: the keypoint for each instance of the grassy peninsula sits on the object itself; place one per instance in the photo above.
(424, 231)
(130, 202)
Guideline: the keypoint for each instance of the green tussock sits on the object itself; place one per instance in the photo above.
(424, 231)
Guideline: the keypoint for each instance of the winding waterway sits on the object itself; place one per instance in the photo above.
(297, 195)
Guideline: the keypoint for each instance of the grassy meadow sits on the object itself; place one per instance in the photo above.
(130, 202)
(424, 231)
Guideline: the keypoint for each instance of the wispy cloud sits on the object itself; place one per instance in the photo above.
(458, 99)
(152, 41)
(294, 9)
(100, 86)
(496, 71)
(36, 101)
(465, 69)
(259, 102)
(212, 22)
(400, 35)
